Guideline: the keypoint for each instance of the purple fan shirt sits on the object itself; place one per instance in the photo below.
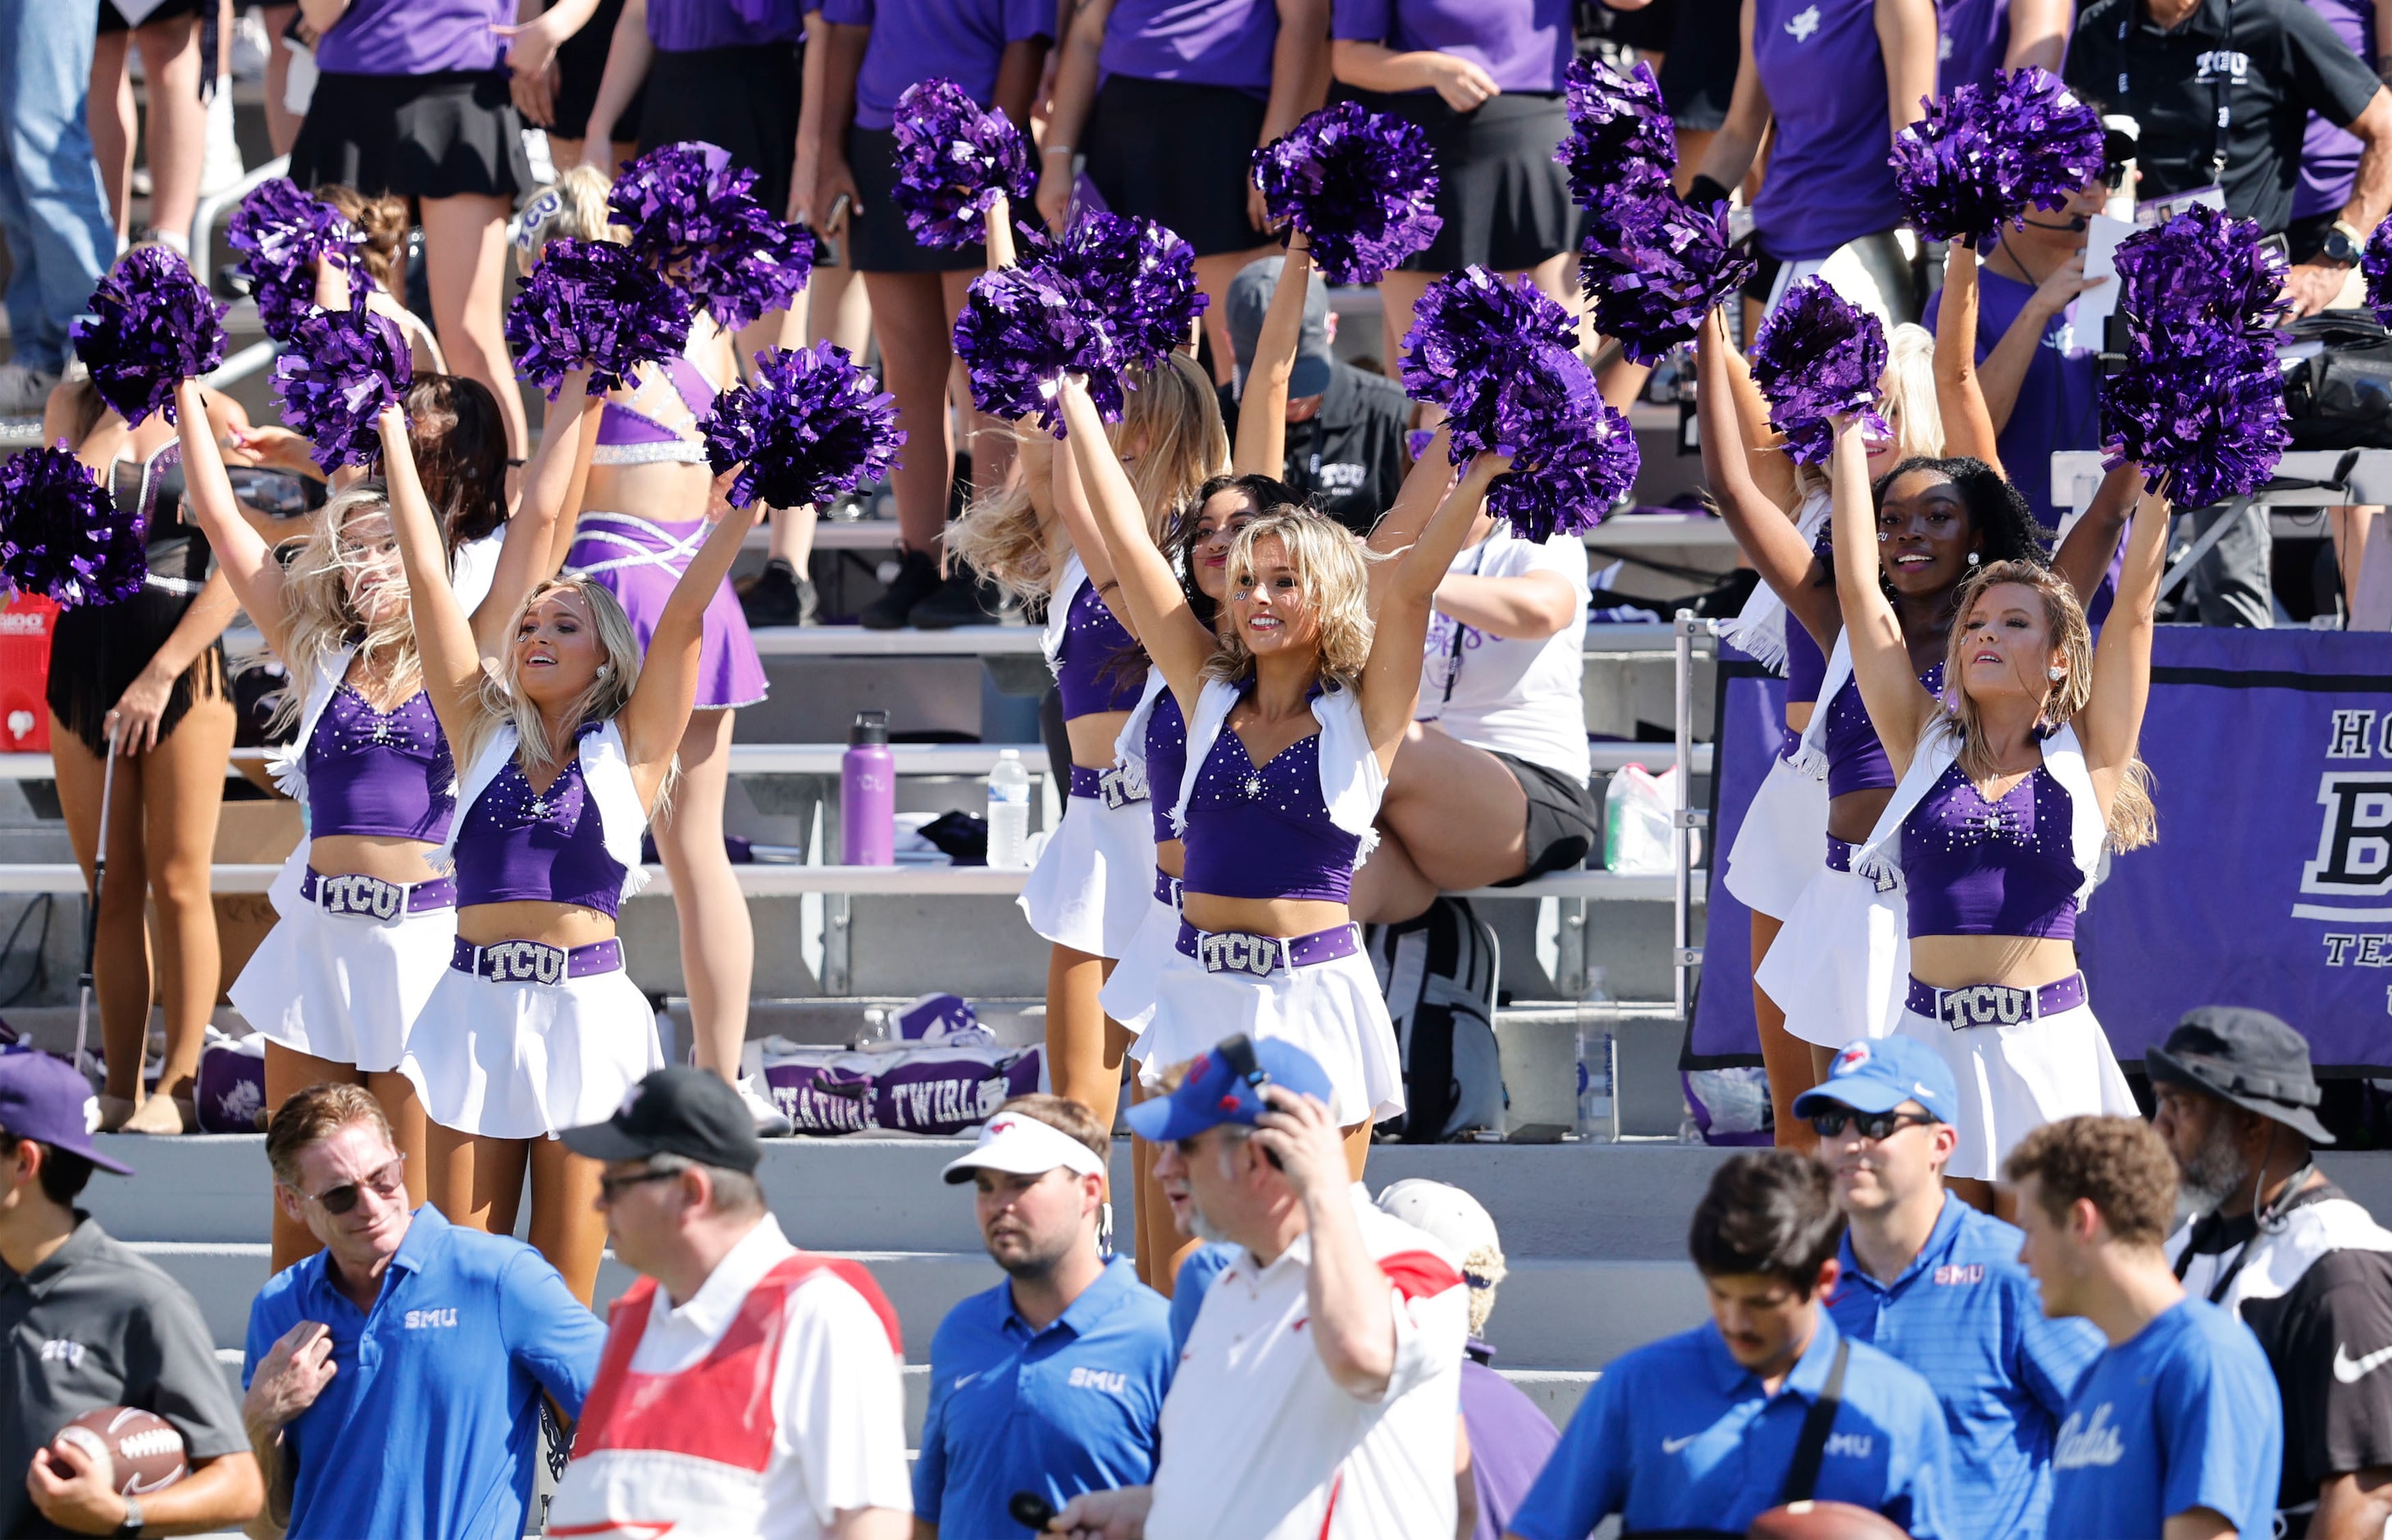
(2329, 155)
(2056, 408)
(1829, 176)
(410, 37)
(1975, 39)
(1509, 1441)
(918, 39)
(1194, 41)
(685, 26)
(1524, 45)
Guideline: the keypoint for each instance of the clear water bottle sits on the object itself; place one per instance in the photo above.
(1598, 1080)
(1008, 811)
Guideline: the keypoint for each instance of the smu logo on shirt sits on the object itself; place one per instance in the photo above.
(1107, 1381)
(1855, 1446)
(428, 1320)
(2209, 66)
(1804, 24)
(1952, 1274)
(2087, 1444)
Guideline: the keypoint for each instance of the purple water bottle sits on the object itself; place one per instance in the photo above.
(867, 795)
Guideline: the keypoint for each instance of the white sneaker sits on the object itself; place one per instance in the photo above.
(221, 168)
(24, 390)
(771, 1122)
(251, 46)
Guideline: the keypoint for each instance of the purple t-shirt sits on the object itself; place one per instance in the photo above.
(411, 37)
(1976, 38)
(685, 26)
(1193, 42)
(2329, 155)
(1509, 1441)
(2056, 408)
(918, 39)
(1524, 45)
(1829, 176)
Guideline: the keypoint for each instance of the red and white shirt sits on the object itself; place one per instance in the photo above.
(767, 1406)
(1259, 1443)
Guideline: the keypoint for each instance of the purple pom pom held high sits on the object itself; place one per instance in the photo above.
(344, 366)
(1496, 356)
(1574, 472)
(1653, 265)
(282, 233)
(693, 216)
(953, 161)
(1360, 185)
(2202, 263)
(1621, 139)
(1022, 330)
(594, 305)
(60, 534)
(810, 428)
(2375, 262)
(1817, 357)
(1139, 275)
(152, 326)
(1983, 154)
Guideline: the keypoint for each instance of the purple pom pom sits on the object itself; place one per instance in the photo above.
(1620, 137)
(60, 534)
(1653, 265)
(810, 428)
(342, 369)
(1816, 356)
(2375, 262)
(152, 326)
(1575, 472)
(282, 233)
(1022, 330)
(690, 216)
(953, 161)
(594, 305)
(1139, 275)
(2202, 263)
(1500, 359)
(1983, 154)
(1360, 185)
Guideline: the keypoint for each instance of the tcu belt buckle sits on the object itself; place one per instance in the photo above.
(1985, 1005)
(1120, 785)
(523, 963)
(355, 894)
(1236, 952)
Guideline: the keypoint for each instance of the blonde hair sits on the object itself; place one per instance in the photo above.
(1906, 401)
(502, 703)
(1329, 565)
(2133, 820)
(322, 619)
(573, 207)
(1172, 414)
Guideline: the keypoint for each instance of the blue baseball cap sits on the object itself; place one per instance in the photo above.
(1216, 1091)
(1880, 1074)
(47, 1100)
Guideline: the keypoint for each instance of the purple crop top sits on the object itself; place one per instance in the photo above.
(1806, 666)
(372, 774)
(1167, 761)
(549, 847)
(621, 426)
(1266, 833)
(1856, 760)
(1089, 664)
(2005, 867)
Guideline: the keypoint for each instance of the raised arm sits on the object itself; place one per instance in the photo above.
(1262, 408)
(1417, 499)
(1391, 677)
(443, 637)
(1067, 109)
(1159, 615)
(652, 719)
(1066, 498)
(1770, 540)
(1737, 143)
(1897, 703)
(2083, 556)
(2112, 720)
(1968, 425)
(1764, 454)
(243, 556)
(541, 530)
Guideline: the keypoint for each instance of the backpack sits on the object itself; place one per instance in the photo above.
(1439, 973)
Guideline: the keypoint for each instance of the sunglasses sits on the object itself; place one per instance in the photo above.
(611, 1189)
(388, 1183)
(1872, 1125)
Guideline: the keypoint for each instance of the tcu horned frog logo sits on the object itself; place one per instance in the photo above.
(2350, 878)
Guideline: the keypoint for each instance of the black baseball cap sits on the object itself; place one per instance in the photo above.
(2244, 1056)
(678, 1111)
(1249, 300)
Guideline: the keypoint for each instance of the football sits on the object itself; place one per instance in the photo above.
(137, 1451)
(1824, 1521)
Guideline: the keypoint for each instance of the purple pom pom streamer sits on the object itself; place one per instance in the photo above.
(2375, 262)
(1816, 358)
(1501, 357)
(1983, 153)
(1020, 331)
(1620, 137)
(1360, 185)
(2201, 264)
(594, 305)
(691, 214)
(812, 426)
(1574, 474)
(60, 533)
(953, 161)
(342, 369)
(1141, 276)
(1653, 265)
(152, 326)
(282, 233)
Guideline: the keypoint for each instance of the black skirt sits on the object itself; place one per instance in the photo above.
(1180, 155)
(97, 651)
(743, 99)
(580, 63)
(112, 20)
(1698, 70)
(878, 238)
(1504, 200)
(439, 136)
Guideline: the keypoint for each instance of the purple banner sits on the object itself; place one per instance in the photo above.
(1752, 728)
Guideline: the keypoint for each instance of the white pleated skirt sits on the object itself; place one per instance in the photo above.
(1840, 966)
(1333, 1010)
(519, 1060)
(2014, 1079)
(1781, 844)
(1094, 880)
(1128, 995)
(345, 987)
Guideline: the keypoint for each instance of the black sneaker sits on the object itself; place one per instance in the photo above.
(779, 597)
(918, 579)
(962, 600)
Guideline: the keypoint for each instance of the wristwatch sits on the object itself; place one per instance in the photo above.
(2342, 244)
(131, 1524)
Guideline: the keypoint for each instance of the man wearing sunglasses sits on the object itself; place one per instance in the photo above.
(395, 1376)
(1936, 1284)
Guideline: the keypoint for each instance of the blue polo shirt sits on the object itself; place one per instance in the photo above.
(1968, 1318)
(2184, 1415)
(1679, 1435)
(1073, 1408)
(430, 1426)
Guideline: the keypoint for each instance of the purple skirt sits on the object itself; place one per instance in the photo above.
(639, 561)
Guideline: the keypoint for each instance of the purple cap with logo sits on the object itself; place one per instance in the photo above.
(45, 1099)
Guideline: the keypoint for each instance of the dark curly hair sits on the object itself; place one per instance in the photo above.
(1768, 1212)
(2117, 1164)
(1997, 509)
(461, 453)
(1269, 494)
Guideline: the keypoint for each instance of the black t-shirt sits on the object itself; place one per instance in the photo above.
(2329, 1339)
(1350, 460)
(2281, 63)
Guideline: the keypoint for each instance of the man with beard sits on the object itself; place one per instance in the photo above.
(2273, 1241)
(1052, 1382)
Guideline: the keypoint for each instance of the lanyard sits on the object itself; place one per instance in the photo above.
(2264, 1221)
(2222, 117)
(1461, 632)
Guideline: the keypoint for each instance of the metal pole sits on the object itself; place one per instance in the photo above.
(91, 913)
(1682, 891)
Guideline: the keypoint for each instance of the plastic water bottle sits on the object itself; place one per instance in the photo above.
(1008, 811)
(1598, 1079)
(867, 795)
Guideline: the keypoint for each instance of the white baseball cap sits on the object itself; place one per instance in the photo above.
(1022, 1145)
(1444, 1211)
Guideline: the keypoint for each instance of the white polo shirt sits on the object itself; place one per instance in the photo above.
(1521, 696)
(1259, 1443)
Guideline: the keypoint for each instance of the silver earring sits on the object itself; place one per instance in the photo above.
(602, 671)
(2056, 672)
(1974, 558)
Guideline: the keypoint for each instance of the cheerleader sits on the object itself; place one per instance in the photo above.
(563, 748)
(2010, 786)
(1292, 721)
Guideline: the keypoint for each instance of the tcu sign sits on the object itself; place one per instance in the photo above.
(1985, 1005)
